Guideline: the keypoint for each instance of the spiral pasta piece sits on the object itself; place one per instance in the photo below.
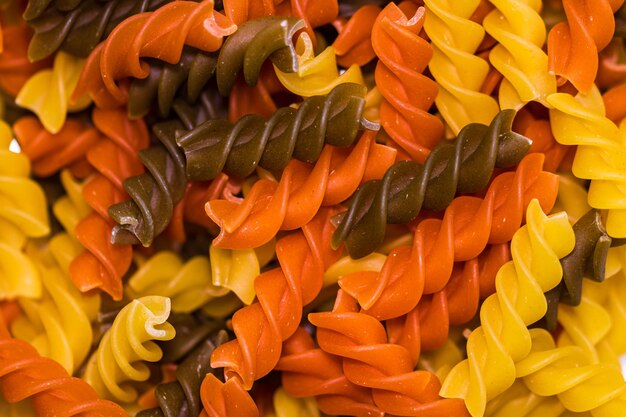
(521, 33)
(174, 25)
(102, 264)
(78, 28)
(237, 149)
(294, 200)
(130, 341)
(49, 153)
(614, 103)
(261, 327)
(407, 93)
(463, 166)
(384, 367)
(574, 45)
(519, 401)
(58, 83)
(23, 215)
(353, 45)
(459, 73)
(599, 157)
(503, 340)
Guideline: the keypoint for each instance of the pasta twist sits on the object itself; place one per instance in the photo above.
(77, 29)
(130, 341)
(57, 85)
(407, 93)
(25, 374)
(49, 153)
(384, 367)
(614, 103)
(568, 373)
(519, 401)
(503, 339)
(599, 157)
(237, 149)
(174, 25)
(294, 200)
(520, 32)
(458, 71)
(353, 45)
(468, 225)
(261, 327)
(102, 264)
(308, 371)
(316, 75)
(574, 45)
(23, 215)
(463, 166)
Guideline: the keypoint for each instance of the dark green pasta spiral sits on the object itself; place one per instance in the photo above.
(78, 29)
(464, 165)
(191, 331)
(588, 259)
(237, 149)
(181, 398)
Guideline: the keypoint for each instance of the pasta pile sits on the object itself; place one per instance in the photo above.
(309, 208)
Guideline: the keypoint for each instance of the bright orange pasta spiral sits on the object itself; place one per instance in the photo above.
(261, 327)
(26, 374)
(115, 157)
(615, 103)
(407, 93)
(15, 68)
(370, 361)
(573, 45)
(468, 225)
(161, 34)
(354, 44)
(49, 153)
(291, 203)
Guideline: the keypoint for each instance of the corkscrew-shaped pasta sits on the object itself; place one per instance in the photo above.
(161, 34)
(294, 200)
(468, 225)
(503, 339)
(408, 94)
(567, 372)
(77, 30)
(285, 405)
(599, 157)
(521, 33)
(459, 73)
(463, 166)
(49, 153)
(614, 103)
(102, 264)
(24, 374)
(384, 367)
(35, 8)
(23, 215)
(574, 45)
(308, 371)
(353, 45)
(519, 401)
(15, 68)
(316, 75)
(130, 341)
(237, 149)
(48, 92)
(261, 327)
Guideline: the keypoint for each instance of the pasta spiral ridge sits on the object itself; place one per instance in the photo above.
(281, 292)
(384, 367)
(574, 45)
(102, 264)
(23, 215)
(521, 33)
(130, 341)
(503, 338)
(175, 25)
(599, 155)
(354, 41)
(407, 93)
(458, 71)
(294, 200)
(237, 149)
(77, 30)
(577, 374)
(463, 166)
(468, 225)
(25, 374)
